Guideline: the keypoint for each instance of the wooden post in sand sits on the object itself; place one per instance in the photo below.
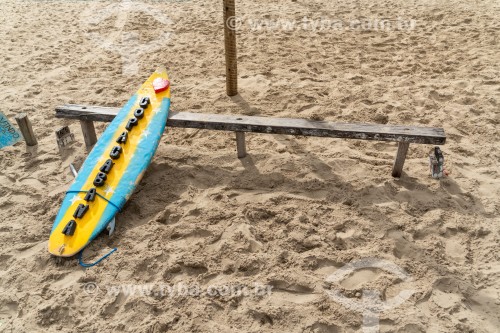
(230, 27)
(397, 170)
(26, 130)
(240, 144)
(89, 135)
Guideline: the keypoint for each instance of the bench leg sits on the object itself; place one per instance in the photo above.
(89, 135)
(397, 170)
(240, 144)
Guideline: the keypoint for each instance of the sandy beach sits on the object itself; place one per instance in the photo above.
(283, 222)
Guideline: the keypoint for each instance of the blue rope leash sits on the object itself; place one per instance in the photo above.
(80, 262)
(100, 196)
(94, 263)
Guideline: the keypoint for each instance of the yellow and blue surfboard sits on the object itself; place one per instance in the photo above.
(113, 168)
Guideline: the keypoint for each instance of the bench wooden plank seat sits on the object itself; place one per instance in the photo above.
(404, 135)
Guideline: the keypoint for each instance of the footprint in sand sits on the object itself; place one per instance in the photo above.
(8, 309)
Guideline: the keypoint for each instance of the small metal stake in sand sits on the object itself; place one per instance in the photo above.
(230, 26)
(27, 131)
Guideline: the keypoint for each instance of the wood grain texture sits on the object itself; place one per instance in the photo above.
(399, 162)
(290, 126)
(89, 134)
(230, 47)
(26, 129)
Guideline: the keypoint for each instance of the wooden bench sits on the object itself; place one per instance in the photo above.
(403, 135)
